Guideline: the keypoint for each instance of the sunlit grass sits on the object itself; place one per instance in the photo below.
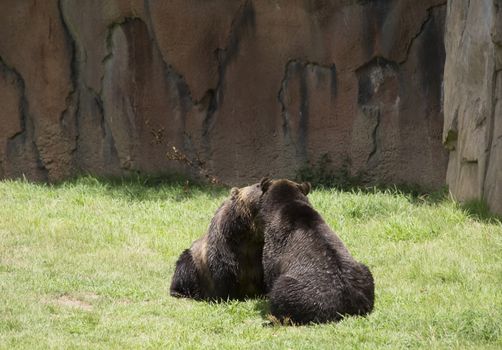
(87, 264)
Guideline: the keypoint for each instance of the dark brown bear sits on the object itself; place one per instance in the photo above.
(309, 274)
(226, 262)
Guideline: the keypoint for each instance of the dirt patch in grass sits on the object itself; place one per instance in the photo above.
(81, 302)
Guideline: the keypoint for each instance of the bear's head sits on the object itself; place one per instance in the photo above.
(245, 203)
(284, 190)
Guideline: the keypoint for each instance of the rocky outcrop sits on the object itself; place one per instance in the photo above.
(251, 87)
(473, 100)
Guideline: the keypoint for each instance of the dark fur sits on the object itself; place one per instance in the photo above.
(226, 262)
(309, 274)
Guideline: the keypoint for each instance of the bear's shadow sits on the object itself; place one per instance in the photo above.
(261, 305)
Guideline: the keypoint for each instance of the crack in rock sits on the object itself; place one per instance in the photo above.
(72, 100)
(430, 14)
(371, 76)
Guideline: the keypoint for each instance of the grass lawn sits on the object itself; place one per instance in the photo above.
(87, 264)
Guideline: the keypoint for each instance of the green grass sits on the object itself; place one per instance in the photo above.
(87, 264)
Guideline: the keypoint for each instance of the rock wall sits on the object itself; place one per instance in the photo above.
(473, 100)
(251, 87)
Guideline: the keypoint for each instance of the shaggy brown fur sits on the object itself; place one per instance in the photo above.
(309, 274)
(226, 262)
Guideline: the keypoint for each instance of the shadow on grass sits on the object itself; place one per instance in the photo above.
(414, 193)
(478, 210)
(261, 305)
(162, 187)
(148, 188)
(263, 308)
(180, 188)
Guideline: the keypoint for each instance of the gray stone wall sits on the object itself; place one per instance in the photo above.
(473, 100)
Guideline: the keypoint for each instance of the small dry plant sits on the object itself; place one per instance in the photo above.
(196, 164)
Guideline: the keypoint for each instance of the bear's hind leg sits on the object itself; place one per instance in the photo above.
(185, 281)
(290, 299)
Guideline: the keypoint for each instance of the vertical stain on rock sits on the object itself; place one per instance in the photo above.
(127, 69)
(375, 14)
(83, 119)
(299, 83)
(12, 84)
(333, 81)
(19, 154)
(496, 95)
(243, 24)
(153, 99)
(430, 47)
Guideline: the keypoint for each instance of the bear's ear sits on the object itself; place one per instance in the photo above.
(265, 184)
(305, 187)
(234, 192)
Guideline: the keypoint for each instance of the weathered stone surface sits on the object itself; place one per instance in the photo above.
(252, 87)
(18, 154)
(473, 95)
(34, 46)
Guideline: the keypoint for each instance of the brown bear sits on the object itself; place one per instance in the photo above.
(225, 263)
(309, 274)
